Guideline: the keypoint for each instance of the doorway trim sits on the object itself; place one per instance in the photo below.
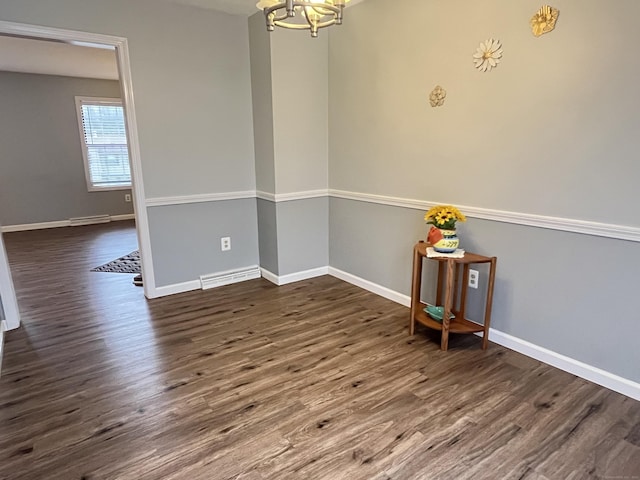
(9, 303)
(126, 87)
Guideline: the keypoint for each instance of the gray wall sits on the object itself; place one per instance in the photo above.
(299, 66)
(42, 176)
(552, 130)
(268, 235)
(192, 89)
(293, 235)
(302, 235)
(183, 233)
(261, 94)
(537, 135)
(290, 102)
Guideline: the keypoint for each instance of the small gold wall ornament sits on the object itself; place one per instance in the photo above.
(436, 97)
(488, 55)
(544, 20)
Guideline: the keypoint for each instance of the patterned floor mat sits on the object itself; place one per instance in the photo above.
(127, 264)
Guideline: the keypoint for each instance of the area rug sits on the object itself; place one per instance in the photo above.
(127, 264)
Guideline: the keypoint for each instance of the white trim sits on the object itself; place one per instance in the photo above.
(59, 223)
(7, 292)
(35, 226)
(294, 277)
(139, 208)
(217, 197)
(89, 220)
(287, 197)
(199, 284)
(383, 199)
(607, 230)
(371, 287)
(580, 369)
(267, 275)
(126, 86)
(228, 277)
(588, 372)
(126, 216)
(3, 328)
(271, 197)
(199, 198)
(177, 288)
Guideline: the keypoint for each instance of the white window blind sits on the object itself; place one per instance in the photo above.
(104, 142)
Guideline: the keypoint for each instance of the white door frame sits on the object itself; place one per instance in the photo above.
(126, 86)
(8, 296)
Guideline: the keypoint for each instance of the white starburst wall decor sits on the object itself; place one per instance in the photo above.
(488, 55)
(544, 20)
(436, 97)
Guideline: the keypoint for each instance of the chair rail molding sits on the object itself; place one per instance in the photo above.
(199, 198)
(599, 229)
(291, 196)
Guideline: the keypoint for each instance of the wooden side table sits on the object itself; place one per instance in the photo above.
(453, 303)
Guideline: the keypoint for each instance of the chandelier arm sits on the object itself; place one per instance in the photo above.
(281, 13)
(302, 26)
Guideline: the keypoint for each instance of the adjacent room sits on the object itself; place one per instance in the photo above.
(281, 180)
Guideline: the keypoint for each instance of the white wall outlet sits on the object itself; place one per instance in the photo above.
(127, 197)
(225, 244)
(474, 278)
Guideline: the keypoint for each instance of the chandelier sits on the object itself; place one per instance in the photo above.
(302, 14)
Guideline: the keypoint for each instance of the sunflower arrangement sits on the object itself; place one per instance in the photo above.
(444, 217)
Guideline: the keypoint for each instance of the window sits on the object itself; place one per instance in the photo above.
(104, 143)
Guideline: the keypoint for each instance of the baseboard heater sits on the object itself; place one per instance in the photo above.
(79, 221)
(228, 277)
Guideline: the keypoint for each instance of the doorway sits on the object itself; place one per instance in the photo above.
(12, 319)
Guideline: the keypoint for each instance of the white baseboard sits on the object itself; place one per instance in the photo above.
(190, 285)
(267, 275)
(371, 287)
(176, 288)
(577, 368)
(588, 372)
(294, 277)
(35, 226)
(57, 224)
(219, 279)
(126, 216)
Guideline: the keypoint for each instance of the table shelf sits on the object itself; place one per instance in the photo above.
(456, 325)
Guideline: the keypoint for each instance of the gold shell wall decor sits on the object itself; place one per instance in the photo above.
(488, 55)
(436, 97)
(544, 20)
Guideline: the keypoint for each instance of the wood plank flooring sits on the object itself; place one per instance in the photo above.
(313, 380)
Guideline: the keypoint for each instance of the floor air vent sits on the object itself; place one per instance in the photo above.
(79, 221)
(231, 276)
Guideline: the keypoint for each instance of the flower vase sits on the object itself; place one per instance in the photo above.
(448, 243)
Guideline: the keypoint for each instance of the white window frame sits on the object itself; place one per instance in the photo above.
(85, 150)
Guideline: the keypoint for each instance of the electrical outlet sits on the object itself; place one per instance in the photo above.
(225, 244)
(474, 278)
(127, 197)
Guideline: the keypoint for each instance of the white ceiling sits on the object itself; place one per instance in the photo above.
(54, 58)
(236, 7)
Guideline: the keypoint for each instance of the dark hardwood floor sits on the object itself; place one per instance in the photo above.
(313, 380)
